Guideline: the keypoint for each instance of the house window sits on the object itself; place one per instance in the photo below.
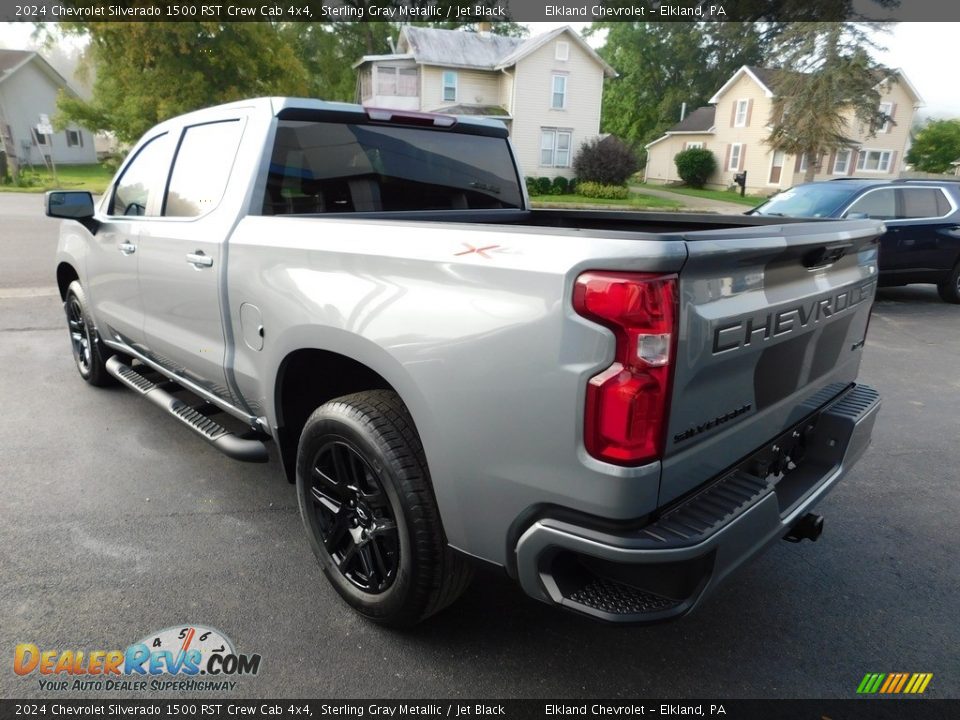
(396, 81)
(736, 151)
(74, 138)
(39, 139)
(887, 109)
(803, 163)
(555, 147)
(874, 161)
(559, 97)
(740, 120)
(449, 86)
(841, 163)
(693, 145)
(562, 51)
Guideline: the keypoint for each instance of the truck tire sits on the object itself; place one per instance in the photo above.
(950, 289)
(89, 354)
(368, 507)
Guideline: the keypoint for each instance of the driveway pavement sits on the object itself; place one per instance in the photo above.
(695, 204)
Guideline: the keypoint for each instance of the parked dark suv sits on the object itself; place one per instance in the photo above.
(922, 242)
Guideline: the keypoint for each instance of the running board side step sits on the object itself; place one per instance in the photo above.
(231, 445)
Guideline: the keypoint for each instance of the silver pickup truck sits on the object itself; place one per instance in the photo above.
(618, 409)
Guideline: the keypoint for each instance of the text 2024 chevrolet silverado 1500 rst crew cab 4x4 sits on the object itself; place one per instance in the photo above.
(617, 408)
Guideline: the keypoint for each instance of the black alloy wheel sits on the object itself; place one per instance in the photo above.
(354, 517)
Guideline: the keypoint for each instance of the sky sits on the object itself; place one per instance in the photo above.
(919, 49)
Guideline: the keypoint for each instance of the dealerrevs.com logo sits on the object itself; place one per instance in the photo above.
(185, 658)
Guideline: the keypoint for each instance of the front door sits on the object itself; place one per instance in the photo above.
(181, 259)
(113, 259)
(776, 167)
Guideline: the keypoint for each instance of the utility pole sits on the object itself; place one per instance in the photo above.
(6, 136)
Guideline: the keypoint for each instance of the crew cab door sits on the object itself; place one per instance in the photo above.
(113, 259)
(182, 258)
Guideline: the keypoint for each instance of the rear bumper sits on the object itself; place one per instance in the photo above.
(665, 569)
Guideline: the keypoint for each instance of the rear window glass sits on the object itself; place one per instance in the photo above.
(814, 200)
(320, 167)
(924, 203)
(876, 204)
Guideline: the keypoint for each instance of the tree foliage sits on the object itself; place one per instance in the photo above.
(695, 166)
(609, 161)
(663, 65)
(149, 72)
(831, 74)
(936, 146)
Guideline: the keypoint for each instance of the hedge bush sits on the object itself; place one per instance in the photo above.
(532, 189)
(605, 192)
(559, 186)
(695, 165)
(543, 185)
(609, 161)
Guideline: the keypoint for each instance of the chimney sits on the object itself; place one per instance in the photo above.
(484, 28)
(683, 111)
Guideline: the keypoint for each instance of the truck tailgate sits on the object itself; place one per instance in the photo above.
(770, 317)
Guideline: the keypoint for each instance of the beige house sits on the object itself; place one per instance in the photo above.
(736, 125)
(547, 89)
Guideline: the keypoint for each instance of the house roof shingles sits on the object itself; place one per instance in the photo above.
(455, 47)
(9, 59)
(700, 120)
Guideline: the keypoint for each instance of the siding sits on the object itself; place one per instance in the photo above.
(24, 96)
(532, 93)
(474, 87)
(660, 165)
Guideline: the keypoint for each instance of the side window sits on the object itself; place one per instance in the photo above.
(879, 204)
(139, 188)
(923, 203)
(141, 184)
(202, 168)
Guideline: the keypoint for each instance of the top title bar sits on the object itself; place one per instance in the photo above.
(470, 11)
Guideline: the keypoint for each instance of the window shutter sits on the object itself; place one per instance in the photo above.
(685, 145)
(828, 170)
(726, 159)
(796, 164)
(852, 166)
(893, 114)
(733, 113)
(893, 162)
(749, 111)
(743, 154)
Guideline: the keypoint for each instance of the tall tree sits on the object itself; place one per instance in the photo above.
(663, 65)
(832, 81)
(148, 72)
(936, 146)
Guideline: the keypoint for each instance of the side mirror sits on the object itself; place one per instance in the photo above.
(857, 216)
(72, 205)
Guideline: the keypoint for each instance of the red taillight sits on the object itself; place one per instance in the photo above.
(626, 408)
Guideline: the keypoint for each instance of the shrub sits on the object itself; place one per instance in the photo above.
(599, 190)
(572, 185)
(695, 165)
(559, 186)
(608, 161)
(532, 189)
(543, 185)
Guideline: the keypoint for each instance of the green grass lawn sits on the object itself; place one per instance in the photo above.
(634, 202)
(724, 195)
(94, 178)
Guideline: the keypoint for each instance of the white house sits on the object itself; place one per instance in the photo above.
(28, 89)
(547, 89)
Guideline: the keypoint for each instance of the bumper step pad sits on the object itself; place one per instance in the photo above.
(614, 597)
(230, 444)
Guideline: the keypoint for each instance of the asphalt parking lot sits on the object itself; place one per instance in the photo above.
(116, 522)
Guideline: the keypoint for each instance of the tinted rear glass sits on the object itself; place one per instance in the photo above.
(815, 200)
(320, 167)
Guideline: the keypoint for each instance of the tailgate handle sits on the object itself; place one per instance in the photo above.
(826, 255)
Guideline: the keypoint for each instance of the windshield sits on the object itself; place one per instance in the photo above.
(814, 200)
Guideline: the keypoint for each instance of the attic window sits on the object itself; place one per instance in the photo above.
(562, 51)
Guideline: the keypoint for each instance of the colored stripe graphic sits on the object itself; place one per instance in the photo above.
(894, 683)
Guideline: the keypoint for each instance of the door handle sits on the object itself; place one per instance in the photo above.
(127, 248)
(199, 259)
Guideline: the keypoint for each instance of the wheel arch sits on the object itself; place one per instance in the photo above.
(66, 274)
(306, 378)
